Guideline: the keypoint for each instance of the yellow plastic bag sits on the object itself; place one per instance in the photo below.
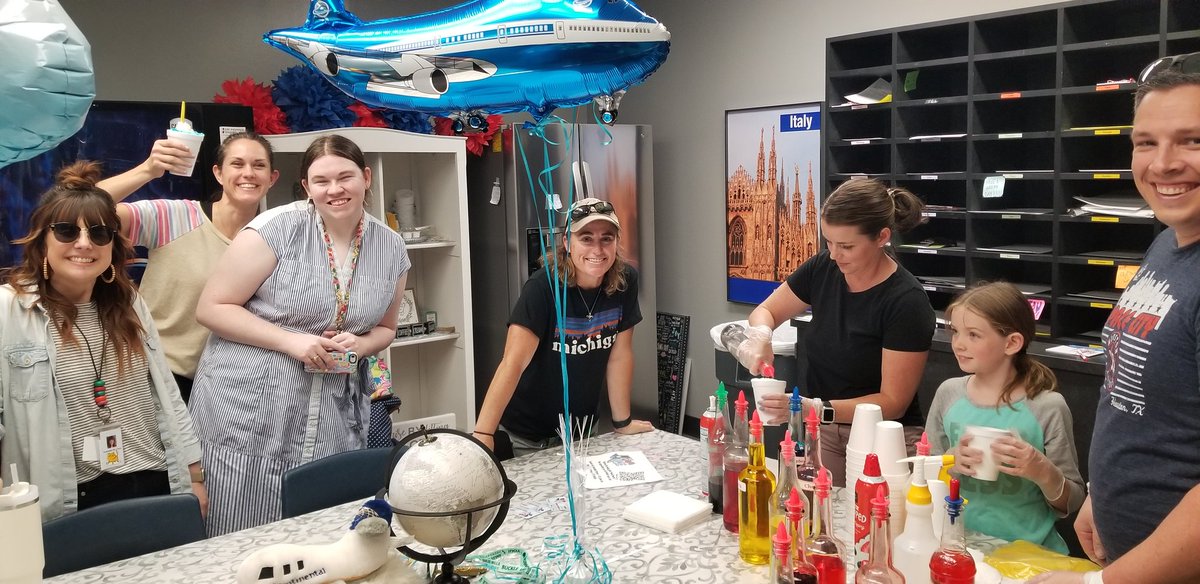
(1022, 560)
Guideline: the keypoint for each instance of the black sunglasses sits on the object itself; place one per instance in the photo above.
(582, 211)
(69, 233)
(1188, 63)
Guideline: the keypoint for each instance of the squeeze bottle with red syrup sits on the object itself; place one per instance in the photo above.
(952, 563)
(737, 456)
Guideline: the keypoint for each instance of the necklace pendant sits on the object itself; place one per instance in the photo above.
(98, 383)
(589, 316)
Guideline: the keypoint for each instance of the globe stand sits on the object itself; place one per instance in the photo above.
(450, 559)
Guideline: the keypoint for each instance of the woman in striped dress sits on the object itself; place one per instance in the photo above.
(89, 411)
(299, 284)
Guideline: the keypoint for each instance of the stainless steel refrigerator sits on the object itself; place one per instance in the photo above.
(613, 163)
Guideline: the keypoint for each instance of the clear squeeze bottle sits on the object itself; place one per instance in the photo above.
(879, 568)
(825, 550)
(803, 571)
(735, 459)
(785, 480)
(755, 485)
(952, 563)
(717, 437)
(706, 423)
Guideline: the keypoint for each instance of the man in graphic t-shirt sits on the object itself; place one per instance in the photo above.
(1142, 519)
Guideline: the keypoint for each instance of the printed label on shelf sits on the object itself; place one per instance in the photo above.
(1100, 262)
(1103, 305)
(1102, 175)
(1012, 135)
(930, 288)
(1108, 87)
(858, 176)
(1102, 219)
(1040, 334)
(1007, 216)
(859, 142)
(930, 140)
(928, 214)
(929, 177)
(1010, 95)
(1010, 256)
(931, 101)
(993, 187)
(1012, 175)
(928, 251)
(1112, 132)
(859, 106)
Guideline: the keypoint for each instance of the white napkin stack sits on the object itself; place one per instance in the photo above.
(668, 511)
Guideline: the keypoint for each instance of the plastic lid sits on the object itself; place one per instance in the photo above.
(782, 538)
(871, 466)
(712, 402)
(794, 404)
(741, 402)
(923, 445)
(879, 505)
(823, 481)
(787, 448)
(756, 426)
(18, 493)
(768, 370)
(812, 420)
(795, 504)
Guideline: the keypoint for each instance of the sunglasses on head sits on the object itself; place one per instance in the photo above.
(1189, 63)
(603, 207)
(69, 233)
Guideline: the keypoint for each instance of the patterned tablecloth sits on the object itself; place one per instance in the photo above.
(702, 554)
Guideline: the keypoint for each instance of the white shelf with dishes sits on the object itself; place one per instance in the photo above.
(432, 373)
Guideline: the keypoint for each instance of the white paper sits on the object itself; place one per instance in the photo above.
(618, 469)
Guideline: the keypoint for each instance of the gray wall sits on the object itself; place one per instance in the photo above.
(724, 55)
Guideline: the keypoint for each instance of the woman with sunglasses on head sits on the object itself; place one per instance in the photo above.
(600, 293)
(304, 290)
(187, 237)
(872, 324)
(82, 365)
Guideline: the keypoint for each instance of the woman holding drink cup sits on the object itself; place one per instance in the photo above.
(187, 237)
(872, 323)
(1009, 430)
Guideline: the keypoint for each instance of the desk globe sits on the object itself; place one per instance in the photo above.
(447, 490)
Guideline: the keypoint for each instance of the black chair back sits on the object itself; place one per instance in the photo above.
(333, 480)
(119, 530)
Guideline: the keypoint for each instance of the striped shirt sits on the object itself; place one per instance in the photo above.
(130, 398)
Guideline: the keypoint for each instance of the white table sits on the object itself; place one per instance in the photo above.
(703, 554)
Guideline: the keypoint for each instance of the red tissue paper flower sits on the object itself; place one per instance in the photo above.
(268, 118)
(368, 117)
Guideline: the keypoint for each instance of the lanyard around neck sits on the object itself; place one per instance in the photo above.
(99, 393)
(341, 290)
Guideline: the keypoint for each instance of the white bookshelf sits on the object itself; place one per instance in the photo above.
(432, 374)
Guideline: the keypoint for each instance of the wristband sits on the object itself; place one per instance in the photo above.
(618, 424)
(484, 433)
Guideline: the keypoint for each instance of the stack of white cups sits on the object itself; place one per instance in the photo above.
(890, 447)
(860, 443)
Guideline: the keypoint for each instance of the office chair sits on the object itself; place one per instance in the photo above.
(119, 530)
(337, 479)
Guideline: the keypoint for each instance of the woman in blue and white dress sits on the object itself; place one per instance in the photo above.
(300, 286)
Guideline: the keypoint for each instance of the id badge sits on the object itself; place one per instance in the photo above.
(111, 448)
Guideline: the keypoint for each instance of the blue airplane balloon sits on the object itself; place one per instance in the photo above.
(483, 56)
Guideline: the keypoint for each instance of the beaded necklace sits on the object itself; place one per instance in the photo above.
(99, 394)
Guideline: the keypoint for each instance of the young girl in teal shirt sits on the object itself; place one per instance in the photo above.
(1039, 481)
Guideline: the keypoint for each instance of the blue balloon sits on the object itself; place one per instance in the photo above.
(47, 79)
(484, 56)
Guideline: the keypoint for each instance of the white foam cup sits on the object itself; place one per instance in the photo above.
(763, 386)
(890, 447)
(981, 439)
(192, 140)
(862, 427)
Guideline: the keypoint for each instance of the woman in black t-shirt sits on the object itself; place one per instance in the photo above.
(600, 308)
(872, 323)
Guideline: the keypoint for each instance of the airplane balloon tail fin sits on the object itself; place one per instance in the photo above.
(329, 14)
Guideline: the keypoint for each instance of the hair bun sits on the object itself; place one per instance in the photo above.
(79, 175)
